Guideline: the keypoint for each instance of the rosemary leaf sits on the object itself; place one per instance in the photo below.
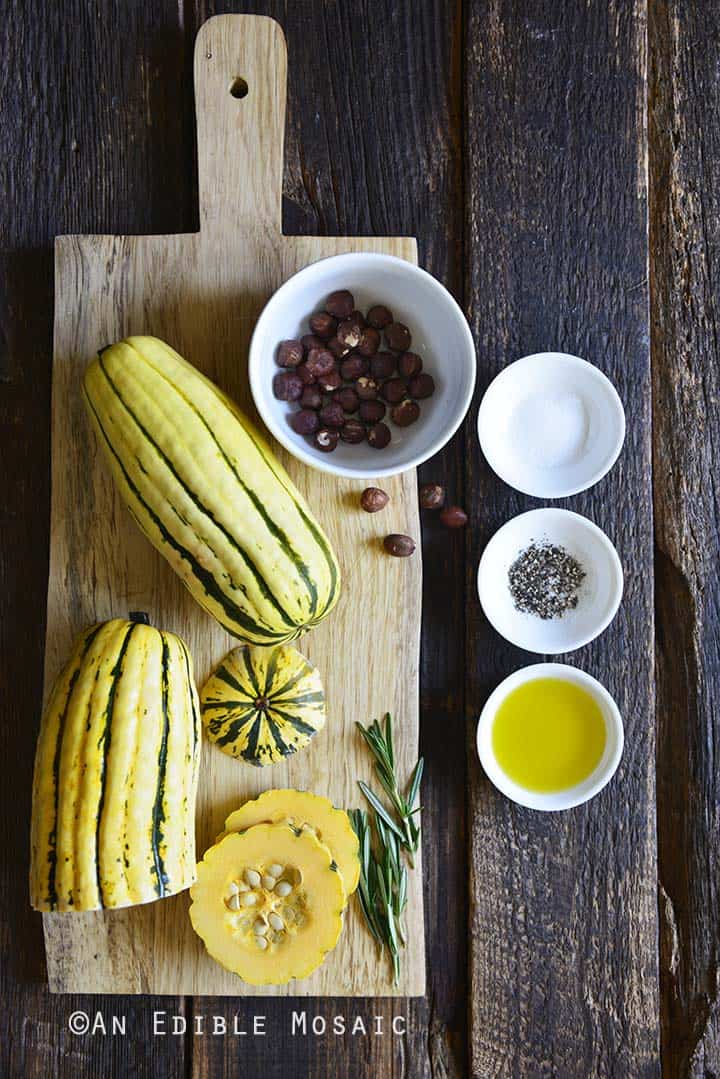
(383, 836)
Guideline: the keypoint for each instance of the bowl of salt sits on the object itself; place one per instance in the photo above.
(551, 425)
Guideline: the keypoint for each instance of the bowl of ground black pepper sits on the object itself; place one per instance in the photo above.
(550, 581)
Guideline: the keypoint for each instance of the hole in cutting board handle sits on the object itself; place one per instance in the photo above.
(238, 87)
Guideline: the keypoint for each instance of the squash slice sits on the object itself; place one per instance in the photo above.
(306, 811)
(268, 903)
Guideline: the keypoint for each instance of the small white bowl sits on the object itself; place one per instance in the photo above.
(599, 594)
(581, 792)
(551, 425)
(440, 334)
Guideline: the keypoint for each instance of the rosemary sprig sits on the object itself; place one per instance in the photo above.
(381, 747)
(383, 887)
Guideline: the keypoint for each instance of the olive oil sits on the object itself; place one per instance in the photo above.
(548, 735)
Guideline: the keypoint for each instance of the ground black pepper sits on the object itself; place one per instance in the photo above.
(544, 580)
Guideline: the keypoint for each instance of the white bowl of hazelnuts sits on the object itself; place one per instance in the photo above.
(362, 365)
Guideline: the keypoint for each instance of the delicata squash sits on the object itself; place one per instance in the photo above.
(268, 903)
(116, 772)
(306, 811)
(263, 704)
(210, 495)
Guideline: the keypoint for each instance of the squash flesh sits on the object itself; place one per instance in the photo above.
(301, 808)
(311, 914)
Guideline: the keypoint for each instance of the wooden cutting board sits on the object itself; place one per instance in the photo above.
(202, 293)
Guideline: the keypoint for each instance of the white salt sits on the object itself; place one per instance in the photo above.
(549, 429)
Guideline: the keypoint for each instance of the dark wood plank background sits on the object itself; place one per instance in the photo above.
(517, 142)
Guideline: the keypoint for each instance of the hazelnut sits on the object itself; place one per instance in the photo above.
(397, 336)
(309, 341)
(287, 386)
(432, 496)
(348, 399)
(393, 390)
(305, 422)
(332, 415)
(330, 382)
(349, 333)
(326, 440)
(340, 303)
(354, 367)
(379, 436)
(453, 517)
(383, 365)
(409, 364)
(338, 350)
(306, 377)
(379, 316)
(369, 342)
(357, 316)
(374, 499)
(398, 545)
(290, 354)
(320, 362)
(366, 388)
(323, 325)
(372, 411)
(405, 413)
(311, 398)
(421, 386)
(352, 431)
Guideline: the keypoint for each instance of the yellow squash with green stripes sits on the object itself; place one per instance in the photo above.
(116, 772)
(207, 491)
(263, 704)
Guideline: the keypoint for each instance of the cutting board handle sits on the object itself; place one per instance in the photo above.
(240, 88)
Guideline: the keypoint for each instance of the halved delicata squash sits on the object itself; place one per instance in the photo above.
(268, 903)
(306, 811)
(263, 704)
(116, 773)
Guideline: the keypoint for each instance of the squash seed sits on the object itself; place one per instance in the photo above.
(242, 886)
(268, 883)
(261, 943)
(260, 928)
(233, 888)
(252, 877)
(275, 870)
(249, 899)
(283, 888)
(276, 921)
(233, 902)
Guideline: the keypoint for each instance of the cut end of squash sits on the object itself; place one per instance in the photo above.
(261, 705)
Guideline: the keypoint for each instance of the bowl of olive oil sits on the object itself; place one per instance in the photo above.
(550, 736)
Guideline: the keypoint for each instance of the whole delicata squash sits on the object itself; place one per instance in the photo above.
(268, 903)
(306, 811)
(116, 772)
(262, 704)
(208, 492)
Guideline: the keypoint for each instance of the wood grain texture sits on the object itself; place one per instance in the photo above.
(373, 145)
(73, 107)
(202, 293)
(685, 233)
(563, 916)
